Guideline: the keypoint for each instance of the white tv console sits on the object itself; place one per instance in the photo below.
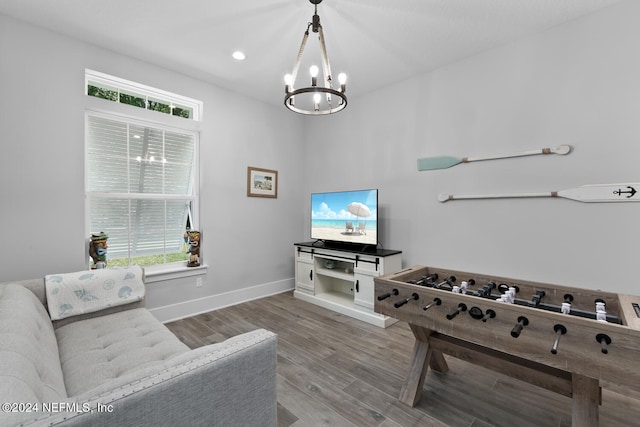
(341, 279)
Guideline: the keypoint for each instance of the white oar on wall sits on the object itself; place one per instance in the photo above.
(585, 193)
(443, 162)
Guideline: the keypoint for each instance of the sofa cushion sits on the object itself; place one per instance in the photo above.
(95, 351)
(71, 294)
(29, 363)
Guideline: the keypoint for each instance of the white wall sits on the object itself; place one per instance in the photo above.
(576, 84)
(42, 222)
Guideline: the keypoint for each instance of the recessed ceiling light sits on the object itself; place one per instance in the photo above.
(238, 55)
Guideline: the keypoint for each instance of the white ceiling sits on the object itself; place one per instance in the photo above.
(376, 42)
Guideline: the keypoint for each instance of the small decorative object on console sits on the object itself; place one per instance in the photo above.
(330, 264)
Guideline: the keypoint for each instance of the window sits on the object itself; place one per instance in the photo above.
(115, 89)
(141, 177)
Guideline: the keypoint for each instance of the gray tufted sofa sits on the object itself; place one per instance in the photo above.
(122, 367)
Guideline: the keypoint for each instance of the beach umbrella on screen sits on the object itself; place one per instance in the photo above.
(359, 210)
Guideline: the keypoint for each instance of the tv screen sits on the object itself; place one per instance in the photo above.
(345, 216)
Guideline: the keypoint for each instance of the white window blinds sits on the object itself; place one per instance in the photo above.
(140, 185)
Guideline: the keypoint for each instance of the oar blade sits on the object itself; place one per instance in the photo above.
(603, 193)
(441, 162)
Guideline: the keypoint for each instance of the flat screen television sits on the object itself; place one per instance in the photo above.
(345, 217)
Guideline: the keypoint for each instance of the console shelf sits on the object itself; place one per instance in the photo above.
(342, 279)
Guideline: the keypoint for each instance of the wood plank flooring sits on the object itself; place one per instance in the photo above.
(337, 371)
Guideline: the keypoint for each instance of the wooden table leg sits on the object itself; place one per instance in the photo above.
(421, 358)
(586, 401)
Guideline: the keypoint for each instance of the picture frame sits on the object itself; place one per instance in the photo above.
(262, 182)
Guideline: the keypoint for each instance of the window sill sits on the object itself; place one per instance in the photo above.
(158, 273)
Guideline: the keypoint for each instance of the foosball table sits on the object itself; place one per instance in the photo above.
(561, 338)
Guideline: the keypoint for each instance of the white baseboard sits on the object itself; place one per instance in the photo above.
(169, 313)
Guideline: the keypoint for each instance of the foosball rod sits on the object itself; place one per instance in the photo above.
(426, 280)
(448, 281)
(560, 331)
(436, 301)
(413, 296)
(551, 307)
(558, 309)
(387, 295)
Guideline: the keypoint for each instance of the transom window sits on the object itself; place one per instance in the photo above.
(123, 91)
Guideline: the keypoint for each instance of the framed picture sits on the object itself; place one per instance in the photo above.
(262, 182)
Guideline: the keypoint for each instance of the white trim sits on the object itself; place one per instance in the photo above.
(161, 272)
(146, 196)
(178, 311)
(131, 118)
(125, 111)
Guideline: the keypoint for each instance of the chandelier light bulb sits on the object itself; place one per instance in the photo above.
(316, 102)
(314, 71)
(288, 82)
(342, 78)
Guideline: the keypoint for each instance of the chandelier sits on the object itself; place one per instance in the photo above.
(315, 99)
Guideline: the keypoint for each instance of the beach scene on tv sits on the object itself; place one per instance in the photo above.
(347, 216)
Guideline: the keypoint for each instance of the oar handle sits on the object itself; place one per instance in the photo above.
(562, 149)
(446, 197)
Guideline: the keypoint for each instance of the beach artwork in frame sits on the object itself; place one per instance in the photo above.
(262, 182)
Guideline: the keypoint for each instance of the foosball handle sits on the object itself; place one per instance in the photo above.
(522, 322)
(414, 296)
(461, 307)
(560, 331)
(489, 314)
(387, 295)
(436, 301)
(604, 341)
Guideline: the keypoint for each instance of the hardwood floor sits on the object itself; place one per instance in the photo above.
(337, 371)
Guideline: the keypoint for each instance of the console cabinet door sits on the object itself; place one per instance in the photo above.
(304, 277)
(363, 291)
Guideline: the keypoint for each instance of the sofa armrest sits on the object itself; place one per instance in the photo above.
(37, 286)
(34, 285)
(229, 383)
